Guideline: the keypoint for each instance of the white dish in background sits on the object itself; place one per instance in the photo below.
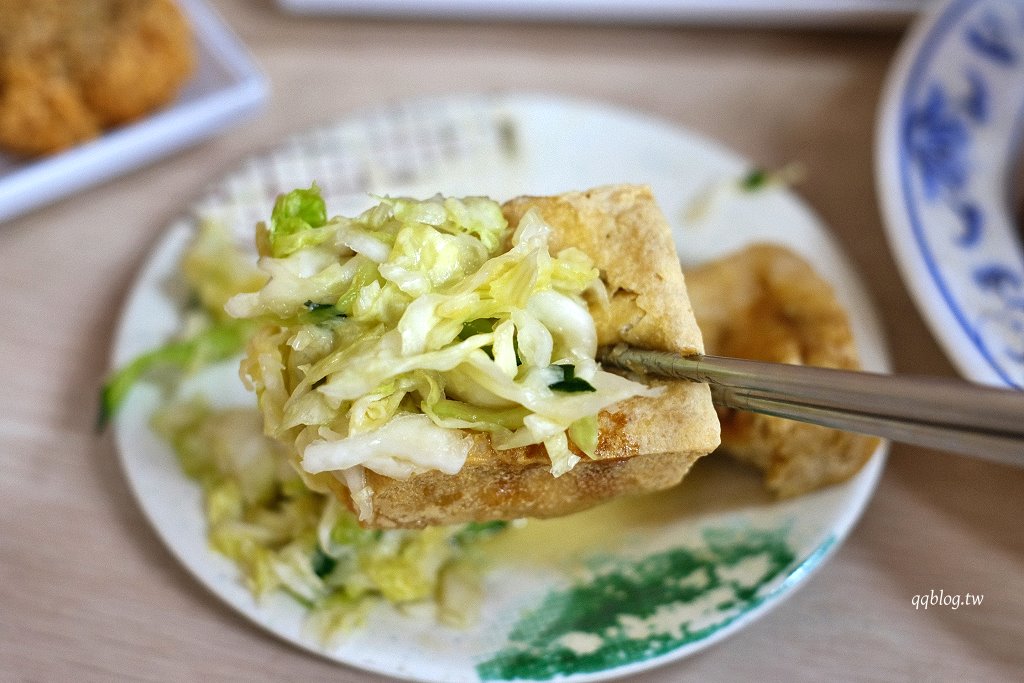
(225, 87)
(748, 12)
(504, 146)
(948, 146)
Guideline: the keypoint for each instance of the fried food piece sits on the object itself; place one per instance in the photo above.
(622, 229)
(645, 444)
(39, 114)
(68, 70)
(766, 303)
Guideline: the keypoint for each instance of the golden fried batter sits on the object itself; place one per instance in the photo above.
(766, 303)
(68, 70)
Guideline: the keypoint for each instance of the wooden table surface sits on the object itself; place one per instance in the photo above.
(87, 591)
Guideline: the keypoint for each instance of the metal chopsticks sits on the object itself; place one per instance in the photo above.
(934, 412)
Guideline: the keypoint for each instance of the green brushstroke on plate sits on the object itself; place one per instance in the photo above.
(629, 611)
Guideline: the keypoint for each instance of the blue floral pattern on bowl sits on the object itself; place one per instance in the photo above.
(948, 151)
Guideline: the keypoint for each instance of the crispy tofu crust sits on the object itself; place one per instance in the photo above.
(645, 444)
(766, 303)
(622, 229)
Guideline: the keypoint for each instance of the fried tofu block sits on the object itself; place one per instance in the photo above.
(645, 444)
(766, 303)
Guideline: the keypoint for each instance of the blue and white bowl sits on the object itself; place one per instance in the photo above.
(947, 152)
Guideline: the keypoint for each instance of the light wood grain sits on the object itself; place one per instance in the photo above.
(88, 593)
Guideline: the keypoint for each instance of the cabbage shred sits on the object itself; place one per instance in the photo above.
(215, 269)
(284, 537)
(384, 336)
(374, 342)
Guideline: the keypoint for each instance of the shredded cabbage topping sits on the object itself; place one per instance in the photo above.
(281, 535)
(284, 537)
(215, 269)
(384, 336)
(374, 342)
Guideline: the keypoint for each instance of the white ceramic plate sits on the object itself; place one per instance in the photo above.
(226, 87)
(948, 146)
(615, 590)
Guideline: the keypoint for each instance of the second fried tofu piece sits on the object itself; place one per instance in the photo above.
(766, 303)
